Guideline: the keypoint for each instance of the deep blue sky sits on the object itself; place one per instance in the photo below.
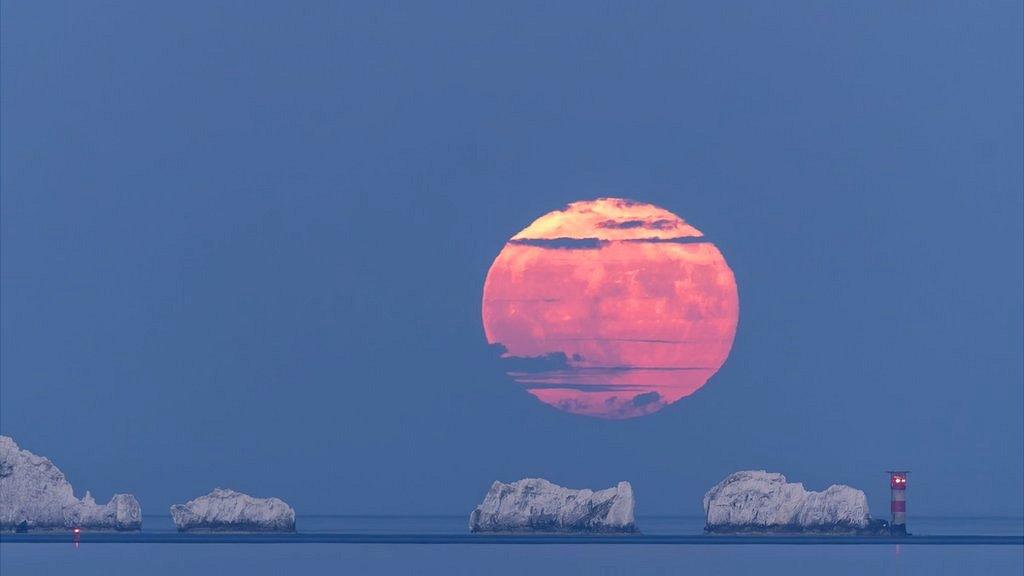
(244, 246)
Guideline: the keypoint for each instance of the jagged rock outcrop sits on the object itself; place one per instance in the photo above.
(759, 501)
(536, 505)
(35, 495)
(230, 511)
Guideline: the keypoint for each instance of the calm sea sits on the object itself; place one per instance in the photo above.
(311, 558)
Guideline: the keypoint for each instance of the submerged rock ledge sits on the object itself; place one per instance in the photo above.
(35, 495)
(755, 501)
(229, 511)
(536, 505)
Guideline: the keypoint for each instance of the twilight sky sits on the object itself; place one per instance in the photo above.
(245, 246)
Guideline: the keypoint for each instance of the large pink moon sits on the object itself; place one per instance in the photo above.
(610, 308)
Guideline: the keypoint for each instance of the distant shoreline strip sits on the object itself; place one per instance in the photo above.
(516, 539)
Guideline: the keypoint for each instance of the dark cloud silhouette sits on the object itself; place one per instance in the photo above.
(571, 405)
(646, 398)
(625, 202)
(621, 224)
(582, 387)
(594, 243)
(677, 240)
(615, 406)
(644, 340)
(531, 364)
(617, 369)
(661, 224)
(560, 243)
(551, 362)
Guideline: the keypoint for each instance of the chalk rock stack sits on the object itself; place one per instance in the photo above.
(230, 511)
(35, 495)
(759, 501)
(536, 505)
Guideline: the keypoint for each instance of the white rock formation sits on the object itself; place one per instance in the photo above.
(230, 511)
(34, 495)
(536, 505)
(755, 500)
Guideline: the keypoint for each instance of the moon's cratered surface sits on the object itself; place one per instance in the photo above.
(610, 308)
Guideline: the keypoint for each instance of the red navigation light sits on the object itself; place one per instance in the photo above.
(77, 530)
(899, 480)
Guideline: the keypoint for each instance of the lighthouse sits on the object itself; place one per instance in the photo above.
(898, 503)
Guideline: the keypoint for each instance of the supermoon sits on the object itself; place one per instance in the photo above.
(610, 308)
